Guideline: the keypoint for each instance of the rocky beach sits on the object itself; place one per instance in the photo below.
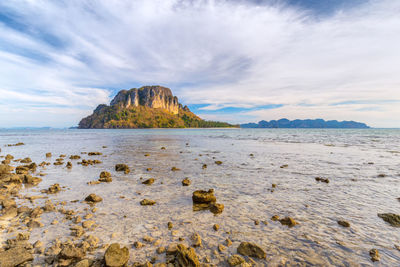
(195, 197)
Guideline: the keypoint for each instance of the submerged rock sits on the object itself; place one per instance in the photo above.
(93, 198)
(105, 177)
(235, 260)
(53, 189)
(323, 180)
(186, 182)
(147, 202)
(115, 256)
(251, 250)
(374, 253)
(149, 181)
(201, 196)
(288, 221)
(344, 223)
(216, 208)
(122, 168)
(391, 218)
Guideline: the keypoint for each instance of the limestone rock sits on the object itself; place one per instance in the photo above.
(115, 256)
(391, 218)
(251, 250)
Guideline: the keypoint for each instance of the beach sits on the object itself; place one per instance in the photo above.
(255, 173)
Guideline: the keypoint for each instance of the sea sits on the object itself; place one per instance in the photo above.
(264, 172)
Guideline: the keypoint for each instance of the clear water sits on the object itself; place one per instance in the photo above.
(242, 183)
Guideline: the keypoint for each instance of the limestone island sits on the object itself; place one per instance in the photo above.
(146, 107)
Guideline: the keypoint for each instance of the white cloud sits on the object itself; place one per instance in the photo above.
(222, 53)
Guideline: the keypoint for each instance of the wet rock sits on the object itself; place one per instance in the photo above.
(70, 252)
(186, 182)
(122, 168)
(35, 223)
(284, 166)
(149, 169)
(201, 196)
(77, 230)
(218, 162)
(69, 165)
(26, 160)
(163, 148)
(382, 175)
(235, 260)
(74, 157)
(95, 153)
(251, 250)
(28, 179)
(147, 202)
(160, 250)
(275, 218)
(374, 254)
(115, 256)
(88, 224)
(216, 208)
(14, 257)
(83, 263)
(138, 244)
(344, 223)
(228, 242)
(288, 221)
(221, 248)
(170, 225)
(204, 166)
(48, 206)
(53, 189)
(216, 227)
(323, 180)
(185, 257)
(391, 218)
(105, 177)
(17, 144)
(48, 155)
(93, 198)
(174, 169)
(149, 181)
(196, 240)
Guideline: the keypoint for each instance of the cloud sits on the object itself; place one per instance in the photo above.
(65, 57)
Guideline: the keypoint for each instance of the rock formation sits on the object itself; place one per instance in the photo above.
(145, 107)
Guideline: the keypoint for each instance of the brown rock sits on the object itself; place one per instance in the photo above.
(251, 250)
(186, 182)
(186, 257)
(93, 198)
(122, 168)
(201, 196)
(148, 181)
(147, 202)
(374, 253)
(115, 256)
(216, 208)
(288, 221)
(14, 257)
(344, 223)
(391, 218)
(235, 260)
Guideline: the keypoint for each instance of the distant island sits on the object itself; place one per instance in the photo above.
(146, 107)
(317, 123)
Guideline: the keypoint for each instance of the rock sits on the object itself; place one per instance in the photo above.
(95, 153)
(105, 177)
(216, 227)
(218, 162)
(275, 218)
(288, 221)
(196, 240)
(148, 181)
(204, 166)
(26, 160)
(170, 225)
(320, 179)
(147, 202)
(374, 253)
(160, 250)
(174, 169)
(138, 244)
(284, 166)
(186, 257)
(201, 196)
(228, 242)
(122, 168)
(69, 165)
(35, 223)
(148, 239)
(71, 252)
(48, 155)
(93, 198)
(115, 256)
(14, 257)
(391, 218)
(344, 223)
(186, 182)
(88, 224)
(235, 260)
(216, 208)
(221, 248)
(53, 189)
(251, 250)
(83, 263)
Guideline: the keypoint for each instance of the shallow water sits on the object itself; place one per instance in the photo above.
(242, 183)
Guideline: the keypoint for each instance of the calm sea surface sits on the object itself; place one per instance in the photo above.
(350, 159)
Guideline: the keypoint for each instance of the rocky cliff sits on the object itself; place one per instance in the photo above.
(145, 107)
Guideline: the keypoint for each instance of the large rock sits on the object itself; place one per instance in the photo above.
(185, 257)
(251, 250)
(14, 257)
(391, 218)
(116, 256)
(203, 197)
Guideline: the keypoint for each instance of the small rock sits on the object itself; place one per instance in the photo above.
(147, 202)
(235, 260)
(170, 225)
(88, 224)
(217, 208)
(201, 196)
(391, 218)
(344, 223)
(288, 221)
(320, 179)
(186, 182)
(275, 218)
(149, 181)
(374, 253)
(196, 240)
(105, 177)
(122, 168)
(138, 244)
(251, 250)
(216, 227)
(218, 162)
(93, 198)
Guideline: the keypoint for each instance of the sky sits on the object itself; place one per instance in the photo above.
(229, 60)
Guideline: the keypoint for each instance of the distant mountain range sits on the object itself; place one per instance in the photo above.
(317, 123)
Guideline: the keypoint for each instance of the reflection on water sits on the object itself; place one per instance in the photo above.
(243, 183)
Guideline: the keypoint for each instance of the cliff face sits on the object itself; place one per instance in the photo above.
(145, 107)
(148, 96)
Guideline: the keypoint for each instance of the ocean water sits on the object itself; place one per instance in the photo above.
(351, 159)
